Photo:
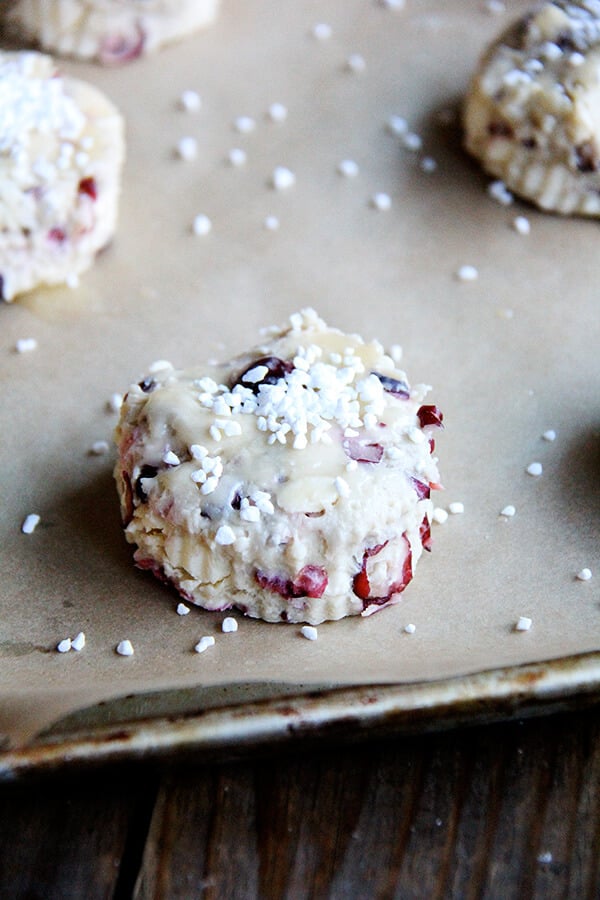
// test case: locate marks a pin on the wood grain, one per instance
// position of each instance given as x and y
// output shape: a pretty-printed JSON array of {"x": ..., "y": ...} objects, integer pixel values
[{"x": 501, "y": 812}]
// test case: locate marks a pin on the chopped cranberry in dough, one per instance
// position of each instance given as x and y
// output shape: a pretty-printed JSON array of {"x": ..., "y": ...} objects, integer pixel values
[
  {"x": 299, "y": 492},
  {"x": 61, "y": 154}
]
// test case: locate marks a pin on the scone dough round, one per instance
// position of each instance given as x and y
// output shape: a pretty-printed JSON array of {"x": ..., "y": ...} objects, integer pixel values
[
  {"x": 109, "y": 31},
  {"x": 61, "y": 152},
  {"x": 532, "y": 112},
  {"x": 292, "y": 482}
]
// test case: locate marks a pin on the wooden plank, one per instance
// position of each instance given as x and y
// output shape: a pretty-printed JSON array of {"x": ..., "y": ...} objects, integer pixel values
[{"x": 67, "y": 838}]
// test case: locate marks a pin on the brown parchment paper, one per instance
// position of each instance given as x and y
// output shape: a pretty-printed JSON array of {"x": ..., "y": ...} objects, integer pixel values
[{"x": 510, "y": 355}]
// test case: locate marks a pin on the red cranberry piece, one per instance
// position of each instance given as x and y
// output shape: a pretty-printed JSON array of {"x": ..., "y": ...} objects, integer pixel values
[
  {"x": 58, "y": 235},
  {"x": 310, "y": 581},
  {"x": 145, "y": 472},
  {"x": 394, "y": 386},
  {"x": 422, "y": 489},
  {"x": 119, "y": 48},
  {"x": 430, "y": 415},
  {"x": 425, "y": 534},
  {"x": 276, "y": 370},
  {"x": 88, "y": 186},
  {"x": 361, "y": 451},
  {"x": 361, "y": 585}
]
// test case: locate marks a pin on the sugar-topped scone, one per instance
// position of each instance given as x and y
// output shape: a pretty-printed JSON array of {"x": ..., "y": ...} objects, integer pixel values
[
  {"x": 292, "y": 482},
  {"x": 532, "y": 113},
  {"x": 61, "y": 153},
  {"x": 109, "y": 31}
]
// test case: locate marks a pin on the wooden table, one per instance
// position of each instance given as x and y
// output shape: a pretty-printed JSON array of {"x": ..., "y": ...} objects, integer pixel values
[{"x": 501, "y": 811}]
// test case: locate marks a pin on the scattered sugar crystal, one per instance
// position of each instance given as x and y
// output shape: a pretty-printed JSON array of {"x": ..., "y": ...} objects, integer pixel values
[
  {"x": 64, "y": 646},
  {"x": 584, "y": 575},
  {"x": 410, "y": 628},
  {"x": 412, "y": 141},
  {"x": 396, "y": 353},
  {"x": 322, "y": 31},
  {"x": 498, "y": 191},
  {"x": 282, "y": 178},
  {"x": 576, "y": 59},
  {"x": 397, "y": 125},
  {"x": 456, "y": 508},
  {"x": 225, "y": 536},
  {"x": 524, "y": 623},
  {"x": 545, "y": 857},
  {"x": 124, "y": 648},
  {"x": 309, "y": 632},
  {"x": 201, "y": 225},
  {"x": 204, "y": 643},
  {"x": 341, "y": 486},
  {"x": 494, "y": 7},
  {"x": 158, "y": 365},
  {"x": 439, "y": 515},
  {"x": 271, "y": 223},
  {"x": 356, "y": 63},
  {"x": 348, "y": 168},
  {"x": 30, "y": 523},
  {"x": 26, "y": 345},
  {"x": 393, "y": 4},
  {"x": 250, "y": 513},
  {"x": 182, "y": 609},
  {"x": 78, "y": 642},
  {"x": 549, "y": 435},
  {"x": 535, "y": 469},
  {"x": 508, "y": 511},
  {"x": 244, "y": 124},
  {"x": 170, "y": 458},
  {"x": 72, "y": 280},
  {"x": 114, "y": 403},
  {"x": 381, "y": 201},
  {"x": 237, "y": 157},
  {"x": 277, "y": 112},
  {"x": 187, "y": 148},
  {"x": 467, "y": 273},
  {"x": 428, "y": 164},
  {"x": 198, "y": 451},
  {"x": 190, "y": 100},
  {"x": 521, "y": 225},
  {"x": 229, "y": 625},
  {"x": 99, "y": 448}
]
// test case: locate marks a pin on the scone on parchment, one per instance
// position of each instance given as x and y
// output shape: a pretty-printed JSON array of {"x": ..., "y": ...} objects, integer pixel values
[
  {"x": 109, "y": 31},
  {"x": 61, "y": 152},
  {"x": 292, "y": 482},
  {"x": 532, "y": 112}
]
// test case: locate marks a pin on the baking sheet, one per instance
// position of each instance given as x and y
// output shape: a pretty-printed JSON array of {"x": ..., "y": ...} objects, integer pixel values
[{"x": 510, "y": 355}]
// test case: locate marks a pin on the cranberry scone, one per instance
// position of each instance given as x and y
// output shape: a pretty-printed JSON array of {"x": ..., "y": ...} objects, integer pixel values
[
  {"x": 61, "y": 152},
  {"x": 292, "y": 482},
  {"x": 532, "y": 112},
  {"x": 109, "y": 31}
]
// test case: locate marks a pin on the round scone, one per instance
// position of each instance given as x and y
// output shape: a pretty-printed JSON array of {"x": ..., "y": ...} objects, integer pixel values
[
  {"x": 532, "y": 112},
  {"x": 61, "y": 153},
  {"x": 292, "y": 483},
  {"x": 109, "y": 31}
]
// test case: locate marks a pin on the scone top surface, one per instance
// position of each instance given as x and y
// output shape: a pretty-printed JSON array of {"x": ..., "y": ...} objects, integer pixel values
[
  {"x": 292, "y": 482},
  {"x": 532, "y": 113},
  {"x": 61, "y": 152}
]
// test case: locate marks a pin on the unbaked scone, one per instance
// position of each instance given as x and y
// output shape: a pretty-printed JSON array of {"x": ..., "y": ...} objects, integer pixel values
[
  {"x": 292, "y": 482},
  {"x": 532, "y": 112},
  {"x": 61, "y": 153},
  {"x": 109, "y": 31}
]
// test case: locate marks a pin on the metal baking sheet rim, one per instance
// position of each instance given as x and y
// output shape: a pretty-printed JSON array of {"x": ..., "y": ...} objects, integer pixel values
[{"x": 349, "y": 713}]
